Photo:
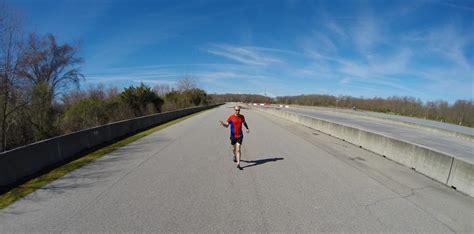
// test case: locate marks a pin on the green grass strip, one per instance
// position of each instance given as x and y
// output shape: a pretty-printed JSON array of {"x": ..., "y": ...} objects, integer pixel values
[{"x": 34, "y": 184}]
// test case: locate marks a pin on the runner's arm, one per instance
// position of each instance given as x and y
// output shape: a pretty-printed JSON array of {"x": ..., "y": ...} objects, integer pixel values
[{"x": 224, "y": 124}]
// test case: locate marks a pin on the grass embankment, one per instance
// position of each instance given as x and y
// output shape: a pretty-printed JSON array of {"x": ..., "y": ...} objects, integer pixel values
[{"x": 34, "y": 184}]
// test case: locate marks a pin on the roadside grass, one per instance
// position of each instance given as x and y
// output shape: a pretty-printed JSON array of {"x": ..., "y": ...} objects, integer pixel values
[{"x": 37, "y": 183}]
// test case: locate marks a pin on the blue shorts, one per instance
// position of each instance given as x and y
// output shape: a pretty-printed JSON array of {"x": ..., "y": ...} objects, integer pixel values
[{"x": 234, "y": 140}]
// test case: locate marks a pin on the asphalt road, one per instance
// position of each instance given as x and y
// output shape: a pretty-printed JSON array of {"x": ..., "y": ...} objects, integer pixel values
[
  {"x": 398, "y": 118},
  {"x": 182, "y": 179},
  {"x": 457, "y": 147}
]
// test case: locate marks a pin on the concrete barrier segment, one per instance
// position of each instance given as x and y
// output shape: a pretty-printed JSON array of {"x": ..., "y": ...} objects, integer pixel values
[{"x": 462, "y": 177}]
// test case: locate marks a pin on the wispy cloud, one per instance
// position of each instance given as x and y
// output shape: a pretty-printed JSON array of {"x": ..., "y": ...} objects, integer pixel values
[
  {"x": 213, "y": 76},
  {"x": 345, "y": 80},
  {"x": 365, "y": 34},
  {"x": 336, "y": 29},
  {"x": 450, "y": 43},
  {"x": 133, "y": 75},
  {"x": 246, "y": 55},
  {"x": 155, "y": 82},
  {"x": 456, "y": 6}
]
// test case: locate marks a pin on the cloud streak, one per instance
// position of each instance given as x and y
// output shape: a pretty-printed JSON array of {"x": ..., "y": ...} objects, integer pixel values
[{"x": 247, "y": 55}]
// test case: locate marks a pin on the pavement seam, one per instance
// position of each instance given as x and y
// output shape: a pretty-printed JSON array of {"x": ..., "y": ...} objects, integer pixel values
[
  {"x": 425, "y": 211},
  {"x": 406, "y": 196}
]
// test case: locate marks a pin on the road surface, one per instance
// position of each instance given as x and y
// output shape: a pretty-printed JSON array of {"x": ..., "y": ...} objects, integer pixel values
[{"x": 295, "y": 179}]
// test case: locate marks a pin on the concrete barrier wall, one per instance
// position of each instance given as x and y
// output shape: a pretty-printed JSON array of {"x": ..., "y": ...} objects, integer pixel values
[
  {"x": 21, "y": 163},
  {"x": 410, "y": 124},
  {"x": 439, "y": 166}
]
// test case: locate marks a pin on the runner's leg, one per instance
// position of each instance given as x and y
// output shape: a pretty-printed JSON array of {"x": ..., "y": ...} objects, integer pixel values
[
  {"x": 237, "y": 152},
  {"x": 232, "y": 148},
  {"x": 234, "y": 152}
]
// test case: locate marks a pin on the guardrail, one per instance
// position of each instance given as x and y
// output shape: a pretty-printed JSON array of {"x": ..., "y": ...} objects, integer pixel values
[
  {"x": 23, "y": 163},
  {"x": 439, "y": 166}
]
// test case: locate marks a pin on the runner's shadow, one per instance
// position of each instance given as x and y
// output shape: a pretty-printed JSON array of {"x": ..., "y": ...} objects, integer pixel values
[{"x": 260, "y": 161}]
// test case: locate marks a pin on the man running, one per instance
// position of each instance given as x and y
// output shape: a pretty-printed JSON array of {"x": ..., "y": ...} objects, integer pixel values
[{"x": 236, "y": 136}]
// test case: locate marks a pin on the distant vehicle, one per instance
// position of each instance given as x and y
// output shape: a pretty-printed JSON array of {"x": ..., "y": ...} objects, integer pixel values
[{"x": 262, "y": 104}]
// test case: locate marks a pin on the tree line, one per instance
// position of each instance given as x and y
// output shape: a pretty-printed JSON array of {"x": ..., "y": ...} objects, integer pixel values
[
  {"x": 460, "y": 113},
  {"x": 246, "y": 98},
  {"x": 40, "y": 95},
  {"x": 98, "y": 105}
]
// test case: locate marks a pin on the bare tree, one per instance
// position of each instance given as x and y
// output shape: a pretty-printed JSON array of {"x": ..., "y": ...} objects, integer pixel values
[
  {"x": 47, "y": 62},
  {"x": 162, "y": 89},
  {"x": 11, "y": 95},
  {"x": 187, "y": 82},
  {"x": 50, "y": 69}
]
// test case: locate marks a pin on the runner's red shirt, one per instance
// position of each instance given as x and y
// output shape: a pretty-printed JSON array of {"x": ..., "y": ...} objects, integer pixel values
[{"x": 235, "y": 122}]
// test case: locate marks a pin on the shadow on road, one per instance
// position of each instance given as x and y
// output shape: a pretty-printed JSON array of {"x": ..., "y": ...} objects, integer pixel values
[{"x": 260, "y": 161}]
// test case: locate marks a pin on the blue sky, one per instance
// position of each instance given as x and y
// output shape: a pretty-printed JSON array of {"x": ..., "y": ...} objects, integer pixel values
[{"x": 422, "y": 49}]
